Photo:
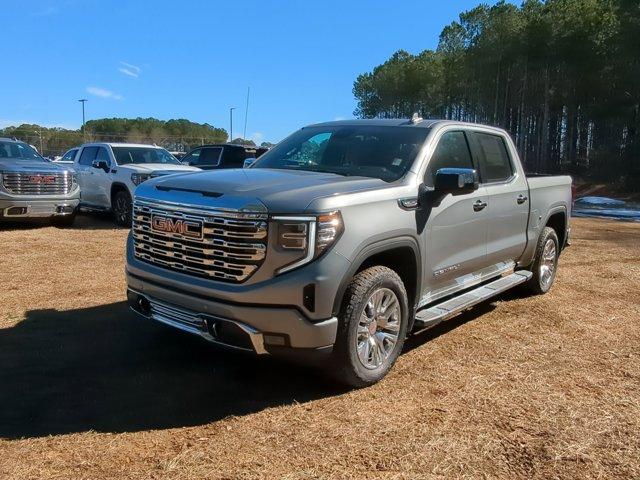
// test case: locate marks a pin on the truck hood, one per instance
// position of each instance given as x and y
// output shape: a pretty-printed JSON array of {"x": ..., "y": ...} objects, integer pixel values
[
  {"x": 158, "y": 167},
  {"x": 26, "y": 166},
  {"x": 280, "y": 191}
]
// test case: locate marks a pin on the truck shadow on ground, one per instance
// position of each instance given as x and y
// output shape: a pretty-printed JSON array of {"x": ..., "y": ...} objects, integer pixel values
[
  {"x": 105, "y": 369},
  {"x": 84, "y": 221}
]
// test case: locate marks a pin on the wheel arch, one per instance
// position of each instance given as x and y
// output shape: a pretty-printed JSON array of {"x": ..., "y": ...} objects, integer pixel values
[
  {"x": 115, "y": 188},
  {"x": 557, "y": 220},
  {"x": 402, "y": 255}
]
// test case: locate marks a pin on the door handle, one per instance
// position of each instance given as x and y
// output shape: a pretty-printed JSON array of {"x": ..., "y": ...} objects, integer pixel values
[
  {"x": 479, "y": 205},
  {"x": 521, "y": 199}
]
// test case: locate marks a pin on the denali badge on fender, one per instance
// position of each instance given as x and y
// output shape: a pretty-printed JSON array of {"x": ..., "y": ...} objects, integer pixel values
[{"x": 186, "y": 228}]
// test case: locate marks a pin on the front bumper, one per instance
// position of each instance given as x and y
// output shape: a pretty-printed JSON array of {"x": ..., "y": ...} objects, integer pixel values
[
  {"x": 36, "y": 208},
  {"x": 260, "y": 329}
]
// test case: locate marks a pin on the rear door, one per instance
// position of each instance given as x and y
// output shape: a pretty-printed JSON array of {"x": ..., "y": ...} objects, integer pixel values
[
  {"x": 507, "y": 193},
  {"x": 456, "y": 224}
]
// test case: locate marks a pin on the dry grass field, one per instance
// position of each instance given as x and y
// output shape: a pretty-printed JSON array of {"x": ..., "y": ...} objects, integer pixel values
[{"x": 545, "y": 387}]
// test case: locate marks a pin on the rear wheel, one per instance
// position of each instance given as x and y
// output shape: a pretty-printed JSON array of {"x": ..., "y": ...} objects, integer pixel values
[
  {"x": 545, "y": 265},
  {"x": 372, "y": 327},
  {"x": 122, "y": 208}
]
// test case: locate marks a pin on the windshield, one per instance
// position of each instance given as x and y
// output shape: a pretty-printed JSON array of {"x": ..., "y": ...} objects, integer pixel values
[
  {"x": 360, "y": 150},
  {"x": 18, "y": 151},
  {"x": 126, "y": 155}
]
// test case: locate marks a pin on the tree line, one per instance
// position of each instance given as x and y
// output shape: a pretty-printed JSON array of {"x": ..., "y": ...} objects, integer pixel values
[
  {"x": 562, "y": 76},
  {"x": 175, "y": 135}
]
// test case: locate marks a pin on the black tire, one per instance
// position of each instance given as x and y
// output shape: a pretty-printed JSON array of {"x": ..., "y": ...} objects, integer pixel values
[
  {"x": 122, "y": 207},
  {"x": 541, "y": 282},
  {"x": 65, "y": 222},
  {"x": 347, "y": 366}
]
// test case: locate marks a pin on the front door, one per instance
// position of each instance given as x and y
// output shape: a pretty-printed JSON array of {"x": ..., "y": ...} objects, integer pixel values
[
  {"x": 456, "y": 225},
  {"x": 100, "y": 180},
  {"x": 84, "y": 170}
]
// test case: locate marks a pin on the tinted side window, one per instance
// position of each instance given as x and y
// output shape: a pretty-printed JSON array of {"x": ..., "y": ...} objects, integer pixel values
[
  {"x": 494, "y": 160},
  {"x": 210, "y": 156},
  {"x": 70, "y": 155},
  {"x": 103, "y": 155},
  {"x": 193, "y": 157},
  {"x": 235, "y": 158},
  {"x": 452, "y": 151},
  {"x": 88, "y": 155}
]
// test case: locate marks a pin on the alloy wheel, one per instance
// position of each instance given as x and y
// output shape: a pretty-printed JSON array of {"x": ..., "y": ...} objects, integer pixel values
[{"x": 378, "y": 328}]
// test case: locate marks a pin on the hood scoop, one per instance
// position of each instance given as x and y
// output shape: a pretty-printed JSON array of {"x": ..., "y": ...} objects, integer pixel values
[{"x": 167, "y": 188}]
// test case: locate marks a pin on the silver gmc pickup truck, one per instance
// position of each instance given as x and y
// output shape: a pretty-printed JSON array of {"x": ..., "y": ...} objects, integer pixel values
[
  {"x": 32, "y": 187},
  {"x": 345, "y": 238}
]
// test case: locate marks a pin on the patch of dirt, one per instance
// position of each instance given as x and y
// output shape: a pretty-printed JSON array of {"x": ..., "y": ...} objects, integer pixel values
[{"x": 520, "y": 387}]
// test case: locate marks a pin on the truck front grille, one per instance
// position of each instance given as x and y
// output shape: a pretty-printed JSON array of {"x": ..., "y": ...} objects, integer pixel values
[
  {"x": 223, "y": 245},
  {"x": 38, "y": 183}
]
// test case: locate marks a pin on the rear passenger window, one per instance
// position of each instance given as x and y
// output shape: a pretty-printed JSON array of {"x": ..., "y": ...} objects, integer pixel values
[
  {"x": 88, "y": 156},
  {"x": 210, "y": 156},
  {"x": 495, "y": 164},
  {"x": 452, "y": 152}
]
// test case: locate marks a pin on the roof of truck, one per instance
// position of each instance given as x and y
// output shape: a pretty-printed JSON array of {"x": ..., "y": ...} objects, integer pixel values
[
  {"x": 398, "y": 122},
  {"x": 119, "y": 144}
]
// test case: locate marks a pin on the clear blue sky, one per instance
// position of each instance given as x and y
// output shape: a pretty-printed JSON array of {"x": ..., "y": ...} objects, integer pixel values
[{"x": 195, "y": 59}]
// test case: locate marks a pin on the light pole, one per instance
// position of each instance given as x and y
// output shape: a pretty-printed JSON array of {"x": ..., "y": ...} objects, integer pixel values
[
  {"x": 246, "y": 113},
  {"x": 82, "y": 101},
  {"x": 231, "y": 124}
]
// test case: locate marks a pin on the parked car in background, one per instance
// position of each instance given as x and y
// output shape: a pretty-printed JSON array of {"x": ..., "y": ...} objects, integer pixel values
[
  {"x": 226, "y": 155},
  {"x": 32, "y": 187},
  {"x": 68, "y": 157},
  {"x": 344, "y": 238},
  {"x": 108, "y": 173},
  {"x": 178, "y": 155}
]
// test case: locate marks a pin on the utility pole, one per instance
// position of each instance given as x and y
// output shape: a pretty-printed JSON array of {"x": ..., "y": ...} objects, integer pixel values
[
  {"x": 246, "y": 112},
  {"x": 231, "y": 124},
  {"x": 82, "y": 101}
]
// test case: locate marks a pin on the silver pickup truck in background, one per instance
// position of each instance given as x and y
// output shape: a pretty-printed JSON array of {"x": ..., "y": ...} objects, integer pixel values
[
  {"x": 32, "y": 187},
  {"x": 344, "y": 238}
]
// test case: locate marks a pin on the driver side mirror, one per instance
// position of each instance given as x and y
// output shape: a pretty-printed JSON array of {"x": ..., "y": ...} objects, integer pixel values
[
  {"x": 248, "y": 162},
  {"x": 102, "y": 164},
  {"x": 456, "y": 180}
]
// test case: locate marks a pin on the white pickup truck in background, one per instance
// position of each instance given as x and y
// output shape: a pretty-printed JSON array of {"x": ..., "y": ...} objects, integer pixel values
[{"x": 108, "y": 173}]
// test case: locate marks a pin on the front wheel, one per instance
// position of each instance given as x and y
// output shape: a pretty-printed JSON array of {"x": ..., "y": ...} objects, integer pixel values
[
  {"x": 372, "y": 327},
  {"x": 122, "y": 208}
]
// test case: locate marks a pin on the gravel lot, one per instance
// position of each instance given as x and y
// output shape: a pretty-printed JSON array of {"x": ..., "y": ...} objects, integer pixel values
[{"x": 521, "y": 387}]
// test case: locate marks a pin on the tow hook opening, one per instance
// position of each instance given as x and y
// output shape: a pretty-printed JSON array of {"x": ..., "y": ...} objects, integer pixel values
[
  {"x": 64, "y": 210},
  {"x": 139, "y": 303},
  {"x": 16, "y": 211}
]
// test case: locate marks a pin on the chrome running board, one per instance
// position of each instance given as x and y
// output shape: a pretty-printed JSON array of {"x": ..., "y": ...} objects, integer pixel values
[{"x": 435, "y": 314}]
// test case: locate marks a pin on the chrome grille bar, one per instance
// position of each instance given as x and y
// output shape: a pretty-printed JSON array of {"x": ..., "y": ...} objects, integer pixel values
[
  {"x": 38, "y": 183},
  {"x": 228, "y": 246}
]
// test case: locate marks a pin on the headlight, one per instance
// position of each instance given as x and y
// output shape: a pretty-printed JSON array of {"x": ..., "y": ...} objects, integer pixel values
[
  {"x": 309, "y": 237},
  {"x": 138, "y": 178}
]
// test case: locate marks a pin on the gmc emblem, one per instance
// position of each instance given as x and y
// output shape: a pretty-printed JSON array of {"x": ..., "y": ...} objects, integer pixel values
[
  {"x": 42, "y": 179},
  {"x": 186, "y": 228}
]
